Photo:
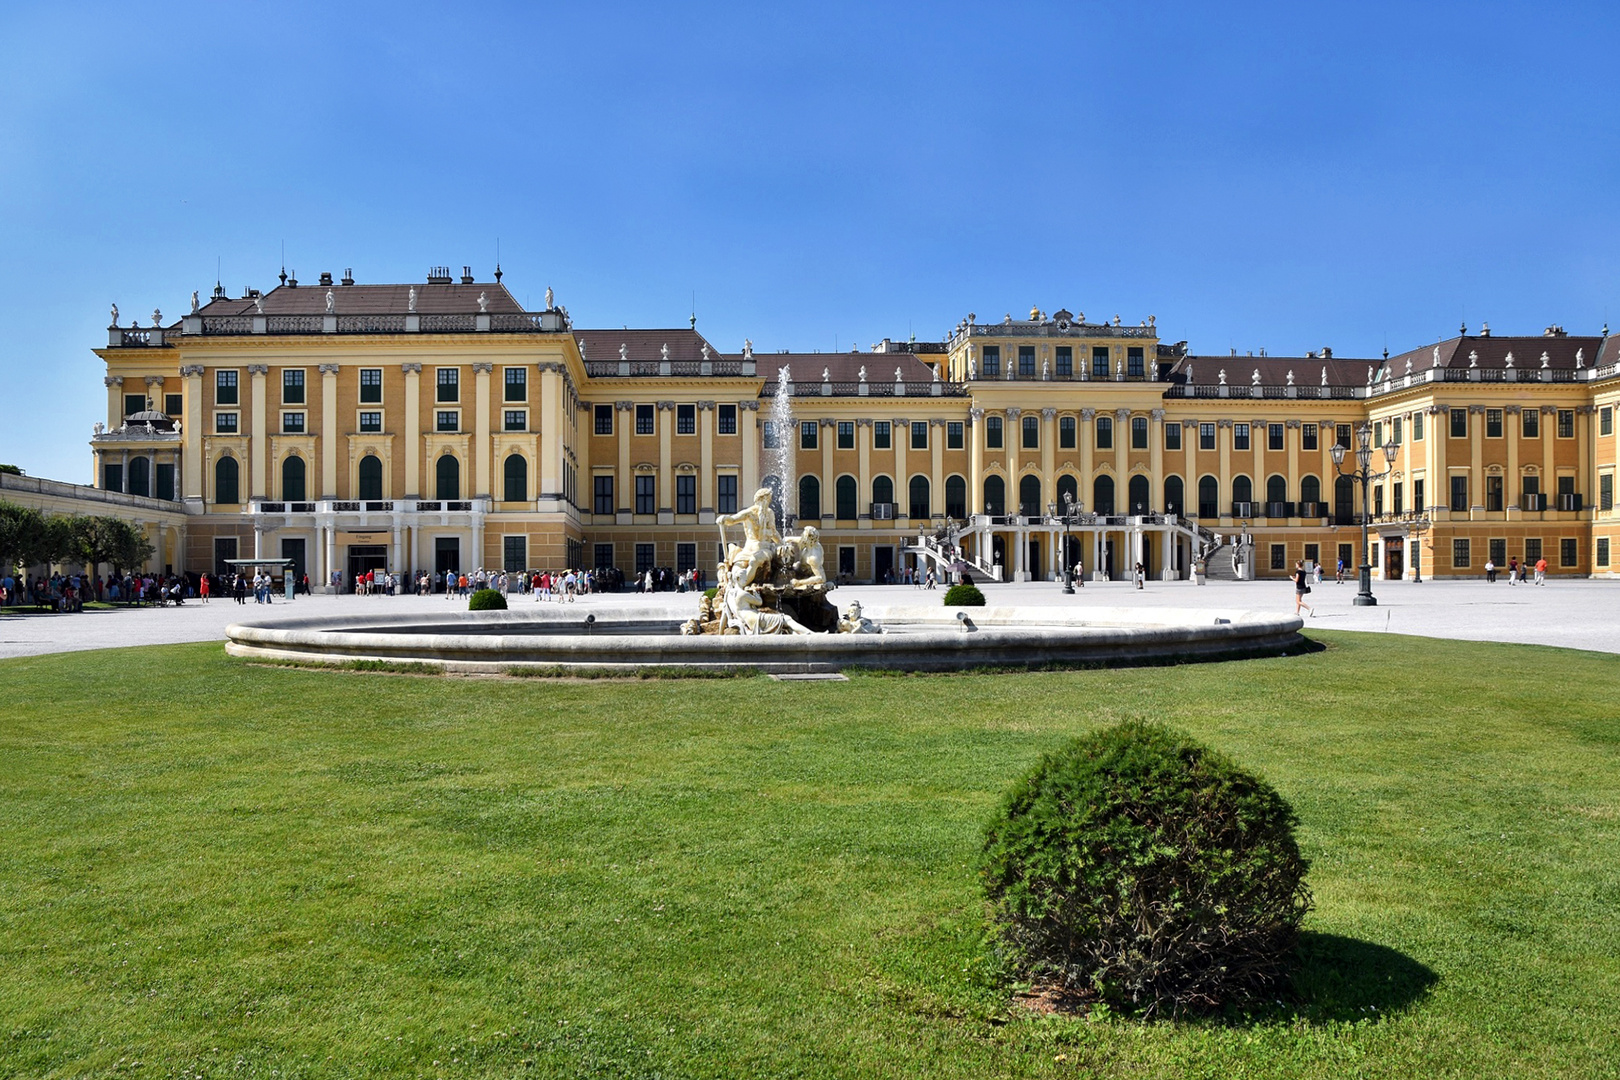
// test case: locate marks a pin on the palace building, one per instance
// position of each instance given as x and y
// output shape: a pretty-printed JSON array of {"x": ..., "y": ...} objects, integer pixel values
[{"x": 440, "y": 426}]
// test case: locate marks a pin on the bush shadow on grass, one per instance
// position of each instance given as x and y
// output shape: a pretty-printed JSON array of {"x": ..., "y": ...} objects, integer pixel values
[{"x": 1338, "y": 979}]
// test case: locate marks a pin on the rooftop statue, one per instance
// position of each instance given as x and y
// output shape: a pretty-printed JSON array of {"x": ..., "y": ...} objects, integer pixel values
[
  {"x": 551, "y": 301},
  {"x": 194, "y": 303},
  {"x": 258, "y": 305},
  {"x": 331, "y": 301},
  {"x": 483, "y": 303},
  {"x": 157, "y": 317},
  {"x": 411, "y": 300},
  {"x": 115, "y": 314}
]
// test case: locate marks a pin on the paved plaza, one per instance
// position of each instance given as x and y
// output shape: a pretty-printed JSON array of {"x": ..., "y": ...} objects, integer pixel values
[{"x": 1570, "y": 614}]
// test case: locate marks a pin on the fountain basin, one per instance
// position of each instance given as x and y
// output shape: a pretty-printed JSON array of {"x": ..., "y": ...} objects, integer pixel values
[{"x": 627, "y": 641}]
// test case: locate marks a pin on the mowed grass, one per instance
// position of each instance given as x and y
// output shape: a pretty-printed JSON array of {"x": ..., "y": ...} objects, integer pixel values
[{"x": 217, "y": 869}]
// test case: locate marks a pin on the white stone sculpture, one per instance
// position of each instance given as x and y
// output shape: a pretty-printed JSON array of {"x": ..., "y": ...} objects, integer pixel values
[
  {"x": 863, "y": 373},
  {"x": 624, "y": 351},
  {"x": 1223, "y": 376},
  {"x": 100, "y": 427},
  {"x": 1473, "y": 359},
  {"x": 1509, "y": 363},
  {"x": 1580, "y": 359},
  {"x": 331, "y": 301},
  {"x": 973, "y": 370},
  {"x": 853, "y": 622},
  {"x": 483, "y": 303},
  {"x": 1324, "y": 374},
  {"x": 115, "y": 314},
  {"x": 1544, "y": 362},
  {"x": 663, "y": 352},
  {"x": 705, "y": 351},
  {"x": 1290, "y": 376},
  {"x": 897, "y": 376},
  {"x": 805, "y": 555},
  {"x": 1046, "y": 370},
  {"x": 748, "y": 349},
  {"x": 1256, "y": 379},
  {"x": 826, "y": 374},
  {"x": 195, "y": 304},
  {"x": 258, "y": 305},
  {"x": 1189, "y": 371},
  {"x": 1435, "y": 362},
  {"x": 760, "y": 538},
  {"x": 551, "y": 299},
  {"x": 1408, "y": 365},
  {"x": 411, "y": 301},
  {"x": 1369, "y": 374},
  {"x": 157, "y": 317}
]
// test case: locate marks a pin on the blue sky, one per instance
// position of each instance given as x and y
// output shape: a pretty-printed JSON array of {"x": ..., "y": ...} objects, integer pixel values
[{"x": 1256, "y": 176}]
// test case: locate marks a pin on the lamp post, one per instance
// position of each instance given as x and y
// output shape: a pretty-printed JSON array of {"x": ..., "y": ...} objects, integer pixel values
[
  {"x": 1064, "y": 520},
  {"x": 1363, "y": 473},
  {"x": 1420, "y": 524}
]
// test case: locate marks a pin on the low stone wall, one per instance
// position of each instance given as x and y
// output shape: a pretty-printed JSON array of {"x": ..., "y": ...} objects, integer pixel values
[{"x": 931, "y": 639}]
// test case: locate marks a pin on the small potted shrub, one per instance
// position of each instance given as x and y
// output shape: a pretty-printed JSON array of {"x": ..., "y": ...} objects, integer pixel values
[
  {"x": 486, "y": 600},
  {"x": 964, "y": 596},
  {"x": 1136, "y": 868}
]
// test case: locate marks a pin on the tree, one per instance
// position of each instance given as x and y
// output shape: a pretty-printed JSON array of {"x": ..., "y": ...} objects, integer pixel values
[
  {"x": 28, "y": 537},
  {"x": 95, "y": 540},
  {"x": 12, "y": 469}
]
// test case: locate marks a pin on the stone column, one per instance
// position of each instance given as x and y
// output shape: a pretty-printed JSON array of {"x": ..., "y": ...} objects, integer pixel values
[
  {"x": 1291, "y": 447},
  {"x": 1476, "y": 468},
  {"x": 115, "y": 400},
  {"x": 1189, "y": 482},
  {"x": 1512, "y": 483},
  {"x": 329, "y": 431},
  {"x": 396, "y": 550},
  {"x": 1049, "y": 457},
  {"x": 750, "y": 450},
  {"x": 1156, "y": 459},
  {"x": 666, "y": 459},
  {"x": 1011, "y": 436},
  {"x": 625, "y": 412},
  {"x": 975, "y": 437},
  {"x": 413, "y": 430},
  {"x": 707, "y": 418},
  {"x": 1224, "y": 476},
  {"x": 259, "y": 480},
  {"x": 1122, "y": 461},
  {"x": 1549, "y": 469},
  {"x": 829, "y": 485},
  {"x": 936, "y": 467},
  {"x": 1086, "y": 436},
  {"x": 1258, "y": 437},
  {"x": 483, "y": 446},
  {"x": 192, "y": 488},
  {"x": 478, "y": 541},
  {"x": 902, "y": 479}
]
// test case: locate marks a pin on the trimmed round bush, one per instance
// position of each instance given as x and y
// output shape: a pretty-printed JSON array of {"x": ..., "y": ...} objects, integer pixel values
[
  {"x": 708, "y": 593},
  {"x": 486, "y": 600},
  {"x": 1141, "y": 869},
  {"x": 964, "y": 596}
]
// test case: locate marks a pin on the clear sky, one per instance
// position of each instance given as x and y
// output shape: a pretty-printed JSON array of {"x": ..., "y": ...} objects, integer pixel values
[{"x": 1279, "y": 176}]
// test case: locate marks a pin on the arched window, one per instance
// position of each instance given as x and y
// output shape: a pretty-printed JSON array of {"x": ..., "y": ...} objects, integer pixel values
[
  {"x": 1139, "y": 492},
  {"x": 1067, "y": 486},
  {"x": 845, "y": 492},
  {"x": 995, "y": 496},
  {"x": 1242, "y": 490},
  {"x": 1102, "y": 495},
  {"x": 1310, "y": 490},
  {"x": 809, "y": 499},
  {"x": 1029, "y": 496},
  {"x": 1209, "y": 497},
  {"x": 292, "y": 479},
  {"x": 371, "y": 486},
  {"x": 447, "y": 476},
  {"x": 919, "y": 497},
  {"x": 226, "y": 476},
  {"x": 140, "y": 476},
  {"x": 1276, "y": 489},
  {"x": 882, "y": 489},
  {"x": 1173, "y": 496},
  {"x": 955, "y": 497},
  {"x": 517, "y": 478}
]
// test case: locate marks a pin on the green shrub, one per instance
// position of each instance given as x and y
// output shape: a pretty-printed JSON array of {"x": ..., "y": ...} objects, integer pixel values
[
  {"x": 486, "y": 600},
  {"x": 964, "y": 596},
  {"x": 710, "y": 591},
  {"x": 1138, "y": 868}
]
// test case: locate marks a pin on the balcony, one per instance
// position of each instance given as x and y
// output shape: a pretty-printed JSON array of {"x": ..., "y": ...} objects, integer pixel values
[{"x": 369, "y": 506}]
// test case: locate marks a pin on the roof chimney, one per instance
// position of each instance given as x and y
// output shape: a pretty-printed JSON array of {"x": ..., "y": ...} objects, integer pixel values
[
  {"x": 292, "y": 280},
  {"x": 348, "y": 275},
  {"x": 439, "y": 275},
  {"x": 466, "y": 275},
  {"x": 326, "y": 277}
]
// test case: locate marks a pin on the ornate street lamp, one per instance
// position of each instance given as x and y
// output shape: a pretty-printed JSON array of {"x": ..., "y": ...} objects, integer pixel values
[
  {"x": 1065, "y": 520},
  {"x": 1419, "y": 525},
  {"x": 1363, "y": 473}
]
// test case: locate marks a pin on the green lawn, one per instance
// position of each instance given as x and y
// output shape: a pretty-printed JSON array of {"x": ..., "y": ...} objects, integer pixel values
[{"x": 213, "y": 868}]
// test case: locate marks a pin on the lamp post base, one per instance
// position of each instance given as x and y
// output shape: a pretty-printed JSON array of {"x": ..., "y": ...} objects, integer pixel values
[{"x": 1365, "y": 598}]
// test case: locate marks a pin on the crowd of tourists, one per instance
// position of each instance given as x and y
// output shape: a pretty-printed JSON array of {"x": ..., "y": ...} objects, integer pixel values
[
  {"x": 540, "y": 584},
  {"x": 70, "y": 592}
]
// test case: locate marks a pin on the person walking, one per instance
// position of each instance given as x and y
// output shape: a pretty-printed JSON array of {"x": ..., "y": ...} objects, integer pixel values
[
  {"x": 1541, "y": 571},
  {"x": 1490, "y": 571},
  {"x": 204, "y": 588},
  {"x": 1301, "y": 587},
  {"x": 1513, "y": 570}
]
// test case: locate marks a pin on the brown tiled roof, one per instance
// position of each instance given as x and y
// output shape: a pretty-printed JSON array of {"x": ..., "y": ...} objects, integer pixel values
[
  {"x": 1206, "y": 370},
  {"x": 645, "y": 345},
  {"x": 1492, "y": 352},
  {"x": 373, "y": 300},
  {"x": 844, "y": 367},
  {"x": 1610, "y": 352}
]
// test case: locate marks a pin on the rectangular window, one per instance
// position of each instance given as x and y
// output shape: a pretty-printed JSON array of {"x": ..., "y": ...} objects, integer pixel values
[
  {"x": 449, "y": 384},
  {"x": 1459, "y": 423},
  {"x": 1347, "y": 556},
  {"x": 1460, "y": 558},
  {"x": 953, "y": 435},
  {"x": 1417, "y": 426},
  {"x": 1568, "y": 553},
  {"x": 1133, "y": 362},
  {"x": 992, "y": 361},
  {"x": 514, "y": 554},
  {"x": 1067, "y": 433},
  {"x": 1497, "y": 551},
  {"x": 134, "y": 403},
  {"x": 1378, "y": 434},
  {"x": 644, "y": 420},
  {"x": 686, "y": 419},
  {"x": 1026, "y": 361},
  {"x": 1417, "y": 496},
  {"x": 112, "y": 477},
  {"x": 1531, "y": 500},
  {"x": 807, "y": 435},
  {"x": 1065, "y": 361},
  {"x": 1493, "y": 423},
  {"x": 174, "y": 404},
  {"x": 1530, "y": 421},
  {"x": 646, "y": 495},
  {"x": 1603, "y": 551},
  {"x": 1566, "y": 423},
  {"x": 1399, "y": 506},
  {"x": 292, "y": 423},
  {"x": 846, "y": 561},
  {"x": 225, "y": 388},
  {"x": 1606, "y": 492},
  {"x": 371, "y": 421},
  {"x": 686, "y": 494},
  {"x": 1395, "y": 431},
  {"x": 725, "y": 493},
  {"x": 846, "y": 434},
  {"x": 1532, "y": 550},
  {"x": 1605, "y": 420},
  {"x": 292, "y": 386},
  {"x": 1313, "y": 553},
  {"x": 1493, "y": 493},
  {"x": 1459, "y": 494},
  {"x": 685, "y": 558},
  {"x": 603, "y": 415},
  {"x": 602, "y": 556},
  {"x": 881, "y": 435},
  {"x": 1378, "y": 501},
  {"x": 1032, "y": 432},
  {"x": 1105, "y": 433},
  {"x": 645, "y": 555},
  {"x": 1206, "y": 436},
  {"x": 919, "y": 434},
  {"x": 992, "y": 433},
  {"x": 1240, "y": 436},
  {"x": 1099, "y": 362},
  {"x": 371, "y": 386},
  {"x": 447, "y": 420},
  {"x": 1279, "y": 556},
  {"x": 514, "y": 420},
  {"x": 726, "y": 419},
  {"x": 1139, "y": 433},
  {"x": 517, "y": 384},
  {"x": 1172, "y": 435},
  {"x": 602, "y": 495},
  {"x": 1341, "y": 435},
  {"x": 1274, "y": 436},
  {"x": 225, "y": 423},
  {"x": 1307, "y": 436}
]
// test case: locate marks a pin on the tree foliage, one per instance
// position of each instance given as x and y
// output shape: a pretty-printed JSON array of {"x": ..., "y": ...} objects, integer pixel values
[{"x": 29, "y": 537}]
